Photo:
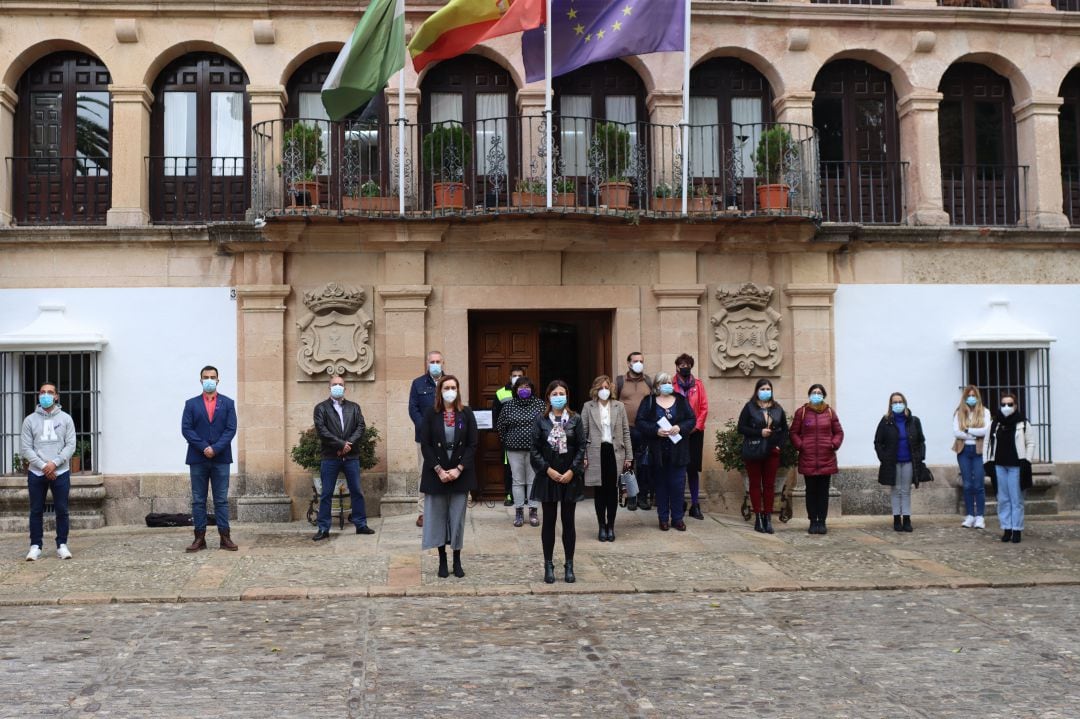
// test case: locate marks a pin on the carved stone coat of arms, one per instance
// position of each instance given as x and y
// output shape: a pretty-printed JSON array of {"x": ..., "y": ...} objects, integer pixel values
[
  {"x": 746, "y": 334},
  {"x": 335, "y": 334}
]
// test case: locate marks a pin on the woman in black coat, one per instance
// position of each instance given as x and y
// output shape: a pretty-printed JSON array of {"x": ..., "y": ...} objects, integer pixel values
[
  {"x": 762, "y": 422},
  {"x": 901, "y": 448},
  {"x": 448, "y": 439},
  {"x": 558, "y": 456},
  {"x": 667, "y": 458}
]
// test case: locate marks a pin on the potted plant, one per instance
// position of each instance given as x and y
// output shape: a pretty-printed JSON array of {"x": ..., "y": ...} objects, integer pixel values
[
  {"x": 306, "y": 140},
  {"x": 614, "y": 143},
  {"x": 444, "y": 152},
  {"x": 80, "y": 461},
  {"x": 728, "y": 452},
  {"x": 307, "y": 454},
  {"x": 369, "y": 198},
  {"x": 565, "y": 193},
  {"x": 529, "y": 192},
  {"x": 776, "y": 150},
  {"x": 667, "y": 198}
]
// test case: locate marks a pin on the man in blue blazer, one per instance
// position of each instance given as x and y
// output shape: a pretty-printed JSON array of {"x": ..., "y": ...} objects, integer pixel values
[{"x": 209, "y": 425}]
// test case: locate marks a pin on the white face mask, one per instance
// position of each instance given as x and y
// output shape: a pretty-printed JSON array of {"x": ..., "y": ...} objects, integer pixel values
[
  {"x": 1006, "y": 411},
  {"x": 604, "y": 394},
  {"x": 449, "y": 395},
  {"x": 637, "y": 367}
]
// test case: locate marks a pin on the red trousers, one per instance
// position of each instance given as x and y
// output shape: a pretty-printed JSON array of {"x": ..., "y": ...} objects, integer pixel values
[{"x": 762, "y": 474}]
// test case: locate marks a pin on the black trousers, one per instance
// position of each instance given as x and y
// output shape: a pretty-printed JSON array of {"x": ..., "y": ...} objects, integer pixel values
[
  {"x": 817, "y": 496},
  {"x": 547, "y": 528},
  {"x": 606, "y": 499}
]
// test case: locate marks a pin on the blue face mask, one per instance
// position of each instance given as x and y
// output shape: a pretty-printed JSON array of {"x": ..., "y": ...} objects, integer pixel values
[
  {"x": 46, "y": 401},
  {"x": 337, "y": 391},
  {"x": 209, "y": 385},
  {"x": 667, "y": 388},
  {"x": 764, "y": 395},
  {"x": 434, "y": 369},
  {"x": 558, "y": 401},
  {"x": 898, "y": 407},
  {"x": 817, "y": 398},
  {"x": 971, "y": 401}
]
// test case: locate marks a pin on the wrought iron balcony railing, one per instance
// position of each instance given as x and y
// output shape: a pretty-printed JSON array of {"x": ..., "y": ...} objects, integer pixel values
[
  {"x": 195, "y": 190},
  {"x": 498, "y": 165},
  {"x": 984, "y": 195},
  {"x": 61, "y": 190},
  {"x": 1070, "y": 193},
  {"x": 865, "y": 193}
]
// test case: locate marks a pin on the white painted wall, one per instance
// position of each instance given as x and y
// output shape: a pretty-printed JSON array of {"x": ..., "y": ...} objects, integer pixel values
[
  {"x": 158, "y": 340},
  {"x": 901, "y": 338}
]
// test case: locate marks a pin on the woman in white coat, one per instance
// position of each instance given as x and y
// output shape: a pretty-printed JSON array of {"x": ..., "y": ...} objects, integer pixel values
[
  {"x": 607, "y": 452},
  {"x": 1012, "y": 449}
]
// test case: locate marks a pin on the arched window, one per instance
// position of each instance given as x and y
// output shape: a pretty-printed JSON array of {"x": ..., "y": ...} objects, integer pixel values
[
  {"x": 859, "y": 140},
  {"x": 63, "y": 138},
  {"x": 977, "y": 140},
  {"x": 610, "y": 92},
  {"x": 477, "y": 94},
  {"x": 200, "y": 141},
  {"x": 349, "y": 153},
  {"x": 729, "y": 103},
  {"x": 1069, "y": 134}
]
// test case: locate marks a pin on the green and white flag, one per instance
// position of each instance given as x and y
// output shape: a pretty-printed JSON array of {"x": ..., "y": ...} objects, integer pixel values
[{"x": 375, "y": 51}]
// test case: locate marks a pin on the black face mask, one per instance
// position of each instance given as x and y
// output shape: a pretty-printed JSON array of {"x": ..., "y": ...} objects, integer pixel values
[{"x": 684, "y": 372}]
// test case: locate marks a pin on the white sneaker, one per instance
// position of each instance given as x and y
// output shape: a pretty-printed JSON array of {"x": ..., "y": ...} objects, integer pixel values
[
  {"x": 62, "y": 552},
  {"x": 34, "y": 554},
  {"x": 980, "y": 523},
  {"x": 969, "y": 522}
]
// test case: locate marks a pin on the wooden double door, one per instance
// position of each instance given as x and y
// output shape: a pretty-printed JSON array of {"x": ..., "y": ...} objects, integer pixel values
[{"x": 568, "y": 345}]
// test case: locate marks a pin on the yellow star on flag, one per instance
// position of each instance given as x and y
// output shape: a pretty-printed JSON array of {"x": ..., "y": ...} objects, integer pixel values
[
  {"x": 579, "y": 29},
  {"x": 599, "y": 34},
  {"x": 617, "y": 25},
  {"x": 588, "y": 37},
  {"x": 627, "y": 10},
  {"x": 572, "y": 14}
]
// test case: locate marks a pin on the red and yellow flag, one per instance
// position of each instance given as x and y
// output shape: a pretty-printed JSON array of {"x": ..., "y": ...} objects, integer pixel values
[{"x": 461, "y": 24}]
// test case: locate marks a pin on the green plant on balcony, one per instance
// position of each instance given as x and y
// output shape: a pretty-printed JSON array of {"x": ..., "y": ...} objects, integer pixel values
[
  {"x": 444, "y": 151},
  {"x": 565, "y": 185},
  {"x": 664, "y": 190},
  {"x": 303, "y": 142},
  {"x": 532, "y": 185},
  {"x": 370, "y": 189},
  {"x": 613, "y": 142},
  {"x": 776, "y": 151}
]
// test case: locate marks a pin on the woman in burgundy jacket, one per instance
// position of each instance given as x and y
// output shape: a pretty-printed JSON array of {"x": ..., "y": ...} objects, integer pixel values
[{"x": 817, "y": 434}]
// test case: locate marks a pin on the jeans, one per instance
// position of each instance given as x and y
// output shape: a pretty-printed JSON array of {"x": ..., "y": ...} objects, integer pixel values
[
  {"x": 901, "y": 491},
  {"x": 669, "y": 483},
  {"x": 521, "y": 469},
  {"x": 60, "y": 488},
  {"x": 971, "y": 471},
  {"x": 1010, "y": 498},
  {"x": 328, "y": 474},
  {"x": 213, "y": 476}
]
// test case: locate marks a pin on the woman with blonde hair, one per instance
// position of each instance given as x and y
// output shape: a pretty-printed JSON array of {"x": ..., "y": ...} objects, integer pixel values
[
  {"x": 607, "y": 451},
  {"x": 971, "y": 422}
]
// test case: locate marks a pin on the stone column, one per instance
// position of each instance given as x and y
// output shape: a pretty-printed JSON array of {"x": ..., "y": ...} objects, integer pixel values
[
  {"x": 8, "y": 102},
  {"x": 795, "y": 107},
  {"x": 267, "y": 106},
  {"x": 918, "y": 113},
  {"x": 678, "y": 306},
  {"x": 130, "y": 148},
  {"x": 1038, "y": 147},
  {"x": 404, "y": 305},
  {"x": 261, "y": 397},
  {"x": 810, "y": 317},
  {"x": 665, "y": 115}
]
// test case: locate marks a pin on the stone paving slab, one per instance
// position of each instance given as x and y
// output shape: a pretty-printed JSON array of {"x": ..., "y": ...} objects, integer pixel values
[{"x": 720, "y": 554}]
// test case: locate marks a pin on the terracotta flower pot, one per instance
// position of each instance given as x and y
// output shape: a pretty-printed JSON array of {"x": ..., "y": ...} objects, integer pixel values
[
  {"x": 616, "y": 195},
  {"x": 564, "y": 199},
  {"x": 310, "y": 188},
  {"x": 773, "y": 197},
  {"x": 528, "y": 199},
  {"x": 449, "y": 195}
]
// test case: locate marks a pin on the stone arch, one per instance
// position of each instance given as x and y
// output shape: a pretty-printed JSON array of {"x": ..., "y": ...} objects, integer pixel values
[
  {"x": 306, "y": 54},
  {"x": 901, "y": 81},
  {"x": 1018, "y": 81},
  {"x": 488, "y": 53},
  {"x": 750, "y": 57},
  {"x": 166, "y": 56},
  {"x": 25, "y": 59}
]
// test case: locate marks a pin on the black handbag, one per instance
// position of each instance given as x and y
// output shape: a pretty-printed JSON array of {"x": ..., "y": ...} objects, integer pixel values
[
  {"x": 755, "y": 448},
  {"x": 922, "y": 474},
  {"x": 1026, "y": 480}
]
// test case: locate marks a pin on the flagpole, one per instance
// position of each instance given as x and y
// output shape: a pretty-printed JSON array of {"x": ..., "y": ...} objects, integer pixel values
[
  {"x": 686, "y": 105},
  {"x": 401, "y": 139},
  {"x": 548, "y": 146}
]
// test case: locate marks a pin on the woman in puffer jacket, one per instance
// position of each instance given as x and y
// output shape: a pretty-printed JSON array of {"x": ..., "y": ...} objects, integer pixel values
[{"x": 817, "y": 434}]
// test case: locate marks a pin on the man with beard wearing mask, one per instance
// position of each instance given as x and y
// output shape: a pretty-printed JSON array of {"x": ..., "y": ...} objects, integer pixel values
[
  {"x": 502, "y": 396},
  {"x": 630, "y": 389},
  {"x": 421, "y": 399},
  {"x": 209, "y": 425}
]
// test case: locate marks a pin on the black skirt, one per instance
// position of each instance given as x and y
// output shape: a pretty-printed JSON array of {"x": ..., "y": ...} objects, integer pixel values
[{"x": 545, "y": 489}]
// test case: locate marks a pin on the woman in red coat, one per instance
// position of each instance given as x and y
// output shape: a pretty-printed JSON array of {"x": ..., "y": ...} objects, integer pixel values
[{"x": 816, "y": 433}]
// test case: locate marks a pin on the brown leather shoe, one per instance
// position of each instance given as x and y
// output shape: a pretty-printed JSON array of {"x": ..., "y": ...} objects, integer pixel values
[
  {"x": 227, "y": 542},
  {"x": 664, "y": 526},
  {"x": 200, "y": 541},
  {"x": 420, "y": 521}
]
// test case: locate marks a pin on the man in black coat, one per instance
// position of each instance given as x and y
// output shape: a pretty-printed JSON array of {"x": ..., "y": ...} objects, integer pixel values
[{"x": 340, "y": 426}]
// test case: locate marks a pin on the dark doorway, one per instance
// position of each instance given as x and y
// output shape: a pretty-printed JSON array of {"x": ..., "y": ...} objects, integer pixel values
[{"x": 572, "y": 346}]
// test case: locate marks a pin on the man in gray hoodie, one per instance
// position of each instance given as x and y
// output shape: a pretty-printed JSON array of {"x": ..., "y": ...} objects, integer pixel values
[{"x": 47, "y": 443}]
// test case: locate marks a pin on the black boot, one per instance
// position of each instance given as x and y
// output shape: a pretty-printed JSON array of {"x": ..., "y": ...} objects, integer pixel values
[
  {"x": 1007, "y": 537},
  {"x": 631, "y": 504},
  {"x": 1016, "y": 536},
  {"x": 813, "y": 526},
  {"x": 821, "y": 526},
  {"x": 897, "y": 527},
  {"x": 695, "y": 511},
  {"x": 611, "y": 532},
  {"x": 907, "y": 523},
  {"x": 643, "y": 502},
  {"x": 766, "y": 523},
  {"x": 458, "y": 571},
  {"x": 549, "y": 572},
  {"x": 443, "y": 571},
  {"x": 568, "y": 574},
  {"x": 758, "y": 523},
  {"x": 602, "y": 532}
]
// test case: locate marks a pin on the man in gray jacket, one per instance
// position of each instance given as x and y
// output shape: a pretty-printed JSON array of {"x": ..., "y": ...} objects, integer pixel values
[{"x": 47, "y": 443}]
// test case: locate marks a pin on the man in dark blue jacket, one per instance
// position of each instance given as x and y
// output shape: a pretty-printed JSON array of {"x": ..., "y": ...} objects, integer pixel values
[
  {"x": 209, "y": 425},
  {"x": 422, "y": 399}
]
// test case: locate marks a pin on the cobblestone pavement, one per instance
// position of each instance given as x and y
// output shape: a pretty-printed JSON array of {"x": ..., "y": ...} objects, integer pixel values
[{"x": 714, "y": 622}]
